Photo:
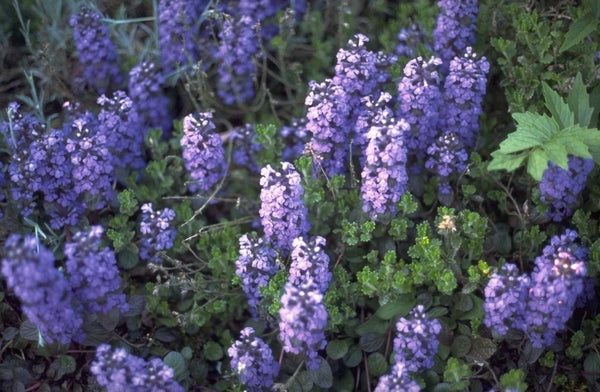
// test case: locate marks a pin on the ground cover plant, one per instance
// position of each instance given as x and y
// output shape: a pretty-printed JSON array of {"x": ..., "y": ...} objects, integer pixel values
[{"x": 363, "y": 195}]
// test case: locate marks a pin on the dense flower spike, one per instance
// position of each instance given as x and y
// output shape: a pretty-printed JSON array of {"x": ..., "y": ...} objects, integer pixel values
[
  {"x": 45, "y": 294},
  {"x": 419, "y": 100},
  {"x": 310, "y": 263},
  {"x": 282, "y": 211},
  {"x": 238, "y": 46},
  {"x": 91, "y": 162},
  {"x": 355, "y": 70},
  {"x": 296, "y": 136},
  {"x": 245, "y": 149},
  {"x": 253, "y": 362},
  {"x": 117, "y": 370},
  {"x": 397, "y": 381},
  {"x": 556, "y": 282},
  {"x": 384, "y": 177},
  {"x": 177, "y": 32},
  {"x": 97, "y": 53},
  {"x": 328, "y": 124},
  {"x": 464, "y": 88},
  {"x": 145, "y": 90},
  {"x": 255, "y": 266},
  {"x": 416, "y": 343},
  {"x": 93, "y": 272},
  {"x": 505, "y": 298},
  {"x": 560, "y": 188},
  {"x": 303, "y": 318},
  {"x": 124, "y": 131},
  {"x": 203, "y": 152},
  {"x": 454, "y": 29},
  {"x": 446, "y": 157},
  {"x": 409, "y": 39},
  {"x": 157, "y": 232}
]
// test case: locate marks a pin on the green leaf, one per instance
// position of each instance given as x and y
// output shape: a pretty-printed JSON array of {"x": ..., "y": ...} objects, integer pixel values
[
  {"x": 322, "y": 376},
  {"x": 128, "y": 257},
  {"x": 537, "y": 164},
  {"x": 353, "y": 357},
  {"x": 377, "y": 364},
  {"x": 579, "y": 102},
  {"x": 176, "y": 362},
  {"x": 579, "y": 29},
  {"x": 371, "y": 341},
  {"x": 481, "y": 349},
  {"x": 213, "y": 351},
  {"x": 558, "y": 108},
  {"x": 460, "y": 346},
  {"x": 506, "y": 162},
  {"x": 401, "y": 307},
  {"x": 336, "y": 349},
  {"x": 557, "y": 153},
  {"x": 29, "y": 331},
  {"x": 592, "y": 366}
]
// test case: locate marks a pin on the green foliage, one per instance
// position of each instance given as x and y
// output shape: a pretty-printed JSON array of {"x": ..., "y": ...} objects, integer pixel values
[
  {"x": 456, "y": 374},
  {"x": 514, "y": 379}
]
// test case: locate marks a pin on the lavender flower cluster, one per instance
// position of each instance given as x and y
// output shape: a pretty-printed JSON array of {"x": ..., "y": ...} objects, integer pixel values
[
  {"x": 397, "y": 381},
  {"x": 146, "y": 82},
  {"x": 310, "y": 263},
  {"x": 454, "y": 29},
  {"x": 252, "y": 360},
  {"x": 157, "y": 233},
  {"x": 177, "y": 32},
  {"x": 118, "y": 370},
  {"x": 542, "y": 304}
]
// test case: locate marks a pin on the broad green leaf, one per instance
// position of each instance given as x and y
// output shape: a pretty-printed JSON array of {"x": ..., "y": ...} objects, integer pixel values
[
  {"x": 175, "y": 361},
  {"x": 540, "y": 125},
  {"x": 558, "y": 108},
  {"x": 371, "y": 342},
  {"x": 213, "y": 351},
  {"x": 336, "y": 349},
  {"x": 400, "y": 307},
  {"x": 591, "y": 137},
  {"x": 579, "y": 102},
  {"x": 595, "y": 104},
  {"x": 481, "y": 349},
  {"x": 537, "y": 164},
  {"x": 461, "y": 345},
  {"x": 579, "y": 29},
  {"x": 520, "y": 140},
  {"x": 322, "y": 376},
  {"x": 557, "y": 153},
  {"x": 507, "y": 162},
  {"x": 377, "y": 364}
]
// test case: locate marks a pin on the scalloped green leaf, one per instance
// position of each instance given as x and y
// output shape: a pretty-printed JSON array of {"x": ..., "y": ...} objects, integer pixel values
[
  {"x": 581, "y": 28},
  {"x": 506, "y": 162},
  {"x": 558, "y": 107},
  {"x": 557, "y": 153},
  {"x": 579, "y": 102}
]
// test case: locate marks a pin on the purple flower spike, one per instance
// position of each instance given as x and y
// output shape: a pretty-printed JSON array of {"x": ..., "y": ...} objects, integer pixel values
[
  {"x": 177, "y": 33},
  {"x": 409, "y": 39},
  {"x": 157, "y": 232},
  {"x": 505, "y": 298},
  {"x": 296, "y": 136},
  {"x": 245, "y": 149},
  {"x": 97, "y": 53},
  {"x": 282, "y": 211},
  {"x": 310, "y": 262},
  {"x": 203, "y": 152},
  {"x": 93, "y": 272},
  {"x": 303, "y": 318},
  {"x": 446, "y": 157},
  {"x": 556, "y": 283},
  {"x": 255, "y": 266},
  {"x": 560, "y": 188},
  {"x": 146, "y": 83},
  {"x": 416, "y": 343},
  {"x": 253, "y": 361},
  {"x": 117, "y": 370},
  {"x": 45, "y": 294},
  {"x": 397, "y": 381},
  {"x": 454, "y": 29}
]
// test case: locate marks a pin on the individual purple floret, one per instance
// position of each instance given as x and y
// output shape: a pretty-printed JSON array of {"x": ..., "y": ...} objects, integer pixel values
[
  {"x": 384, "y": 177},
  {"x": 416, "y": 343},
  {"x": 45, "y": 294},
  {"x": 91, "y": 163},
  {"x": 303, "y": 318},
  {"x": 464, "y": 88},
  {"x": 560, "y": 188},
  {"x": 329, "y": 126},
  {"x": 295, "y": 136},
  {"x": 556, "y": 282},
  {"x": 397, "y": 381},
  {"x": 310, "y": 263},
  {"x": 409, "y": 39},
  {"x": 117, "y": 370},
  {"x": 97, "y": 52},
  {"x": 203, "y": 152},
  {"x": 446, "y": 157},
  {"x": 93, "y": 272},
  {"x": 454, "y": 29},
  {"x": 252, "y": 360},
  {"x": 177, "y": 32},
  {"x": 255, "y": 266},
  {"x": 157, "y": 232},
  {"x": 419, "y": 100},
  {"x": 282, "y": 211},
  {"x": 125, "y": 131},
  {"x": 505, "y": 298},
  {"x": 239, "y": 44},
  {"x": 146, "y": 82},
  {"x": 244, "y": 148}
]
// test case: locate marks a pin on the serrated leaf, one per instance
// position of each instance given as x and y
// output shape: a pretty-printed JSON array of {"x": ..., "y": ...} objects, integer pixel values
[
  {"x": 176, "y": 362},
  {"x": 322, "y": 376},
  {"x": 371, "y": 341},
  {"x": 579, "y": 102},
  {"x": 401, "y": 307},
  {"x": 506, "y": 162},
  {"x": 537, "y": 164},
  {"x": 578, "y": 30},
  {"x": 558, "y": 107},
  {"x": 557, "y": 153},
  {"x": 377, "y": 364},
  {"x": 537, "y": 127},
  {"x": 336, "y": 349},
  {"x": 520, "y": 140}
]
